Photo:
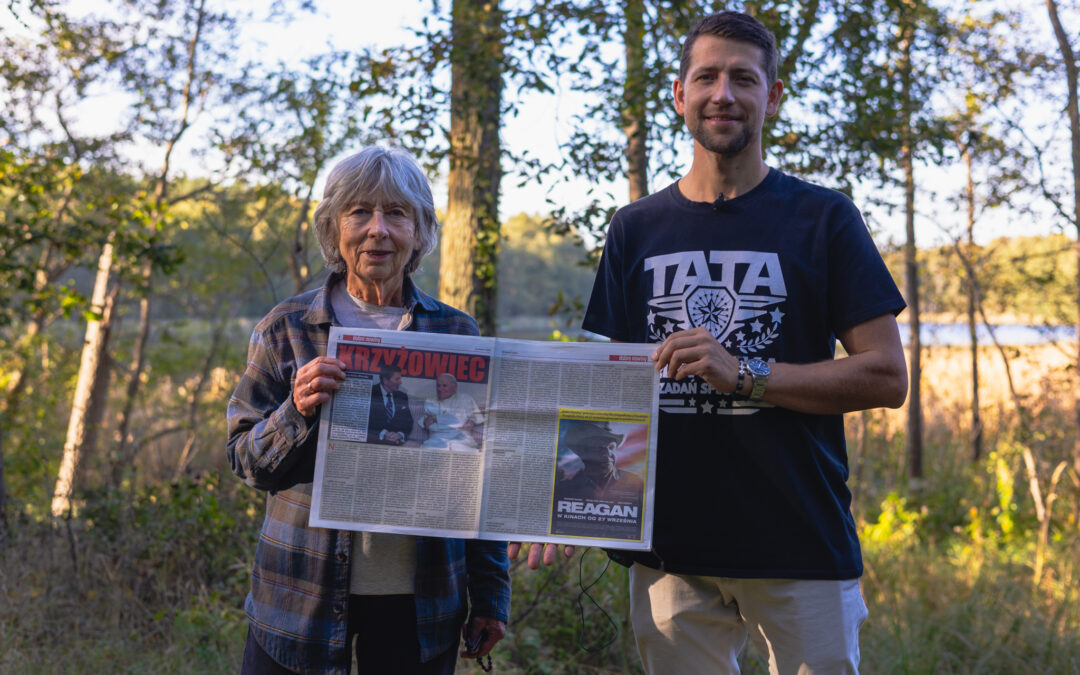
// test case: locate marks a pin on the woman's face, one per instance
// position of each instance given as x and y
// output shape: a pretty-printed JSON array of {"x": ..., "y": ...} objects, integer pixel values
[{"x": 376, "y": 240}]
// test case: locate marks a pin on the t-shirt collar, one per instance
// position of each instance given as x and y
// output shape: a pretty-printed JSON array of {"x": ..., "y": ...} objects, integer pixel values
[{"x": 760, "y": 189}]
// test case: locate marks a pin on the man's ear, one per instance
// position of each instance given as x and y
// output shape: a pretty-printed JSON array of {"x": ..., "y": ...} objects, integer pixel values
[
  {"x": 679, "y": 95},
  {"x": 776, "y": 92}
]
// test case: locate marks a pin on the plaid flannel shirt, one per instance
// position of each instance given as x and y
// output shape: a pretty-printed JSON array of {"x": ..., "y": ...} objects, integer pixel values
[{"x": 300, "y": 580}]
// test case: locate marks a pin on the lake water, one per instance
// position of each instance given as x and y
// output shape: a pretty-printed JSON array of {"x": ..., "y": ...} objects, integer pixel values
[
  {"x": 933, "y": 334},
  {"x": 956, "y": 334}
]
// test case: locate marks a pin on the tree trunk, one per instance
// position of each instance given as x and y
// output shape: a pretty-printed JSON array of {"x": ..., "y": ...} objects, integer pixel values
[
  {"x": 122, "y": 437},
  {"x": 138, "y": 361},
  {"x": 298, "y": 266},
  {"x": 467, "y": 270},
  {"x": 187, "y": 454},
  {"x": 3, "y": 495},
  {"x": 972, "y": 289},
  {"x": 81, "y": 428},
  {"x": 1073, "y": 107},
  {"x": 25, "y": 349},
  {"x": 911, "y": 269},
  {"x": 635, "y": 124}
]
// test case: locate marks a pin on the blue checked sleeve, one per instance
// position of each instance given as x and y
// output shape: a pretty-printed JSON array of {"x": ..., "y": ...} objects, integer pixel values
[
  {"x": 489, "y": 579},
  {"x": 267, "y": 434}
]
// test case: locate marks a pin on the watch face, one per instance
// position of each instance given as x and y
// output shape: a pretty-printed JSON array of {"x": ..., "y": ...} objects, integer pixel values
[{"x": 758, "y": 367}]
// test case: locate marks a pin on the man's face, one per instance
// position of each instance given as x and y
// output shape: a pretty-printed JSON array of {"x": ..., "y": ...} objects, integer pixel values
[
  {"x": 391, "y": 385},
  {"x": 597, "y": 450},
  {"x": 726, "y": 96},
  {"x": 445, "y": 387}
]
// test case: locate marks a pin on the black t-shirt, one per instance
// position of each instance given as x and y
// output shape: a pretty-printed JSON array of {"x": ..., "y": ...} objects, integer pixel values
[{"x": 744, "y": 489}]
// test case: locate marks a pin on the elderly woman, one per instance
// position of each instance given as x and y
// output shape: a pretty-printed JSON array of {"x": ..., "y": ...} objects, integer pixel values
[{"x": 404, "y": 599}]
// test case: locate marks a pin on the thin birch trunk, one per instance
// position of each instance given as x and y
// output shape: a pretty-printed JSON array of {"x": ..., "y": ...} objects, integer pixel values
[
  {"x": 911, "y": 269},
  {"x": 1072, "y": 75},
  {"x": 94, "y": 355}
]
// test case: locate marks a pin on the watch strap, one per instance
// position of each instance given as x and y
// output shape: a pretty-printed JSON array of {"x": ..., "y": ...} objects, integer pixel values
[{"x": 758, "y": 382}]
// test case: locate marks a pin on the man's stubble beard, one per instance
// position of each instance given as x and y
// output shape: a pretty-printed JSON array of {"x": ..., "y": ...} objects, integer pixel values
[{"x": 724, "y": 148}]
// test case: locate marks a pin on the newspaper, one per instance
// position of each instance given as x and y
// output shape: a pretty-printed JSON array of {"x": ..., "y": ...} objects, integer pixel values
[{"x": 489, "y": 438}]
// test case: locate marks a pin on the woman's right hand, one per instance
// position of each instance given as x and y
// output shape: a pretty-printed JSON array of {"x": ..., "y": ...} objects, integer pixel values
[{"x": 315, "y": 382}]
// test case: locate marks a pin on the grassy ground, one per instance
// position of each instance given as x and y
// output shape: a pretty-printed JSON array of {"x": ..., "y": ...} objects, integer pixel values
[
  {"x": 152, "y": 578},
  {"x": 932, "y": 610}
]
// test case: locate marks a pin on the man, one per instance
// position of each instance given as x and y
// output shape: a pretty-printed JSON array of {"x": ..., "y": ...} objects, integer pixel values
[
  {"x": 746, "y": 276},
  {"x": 389, "y": 419},
  {"x": 595, "y": 444},
  {"x": 452, "y": 419}
]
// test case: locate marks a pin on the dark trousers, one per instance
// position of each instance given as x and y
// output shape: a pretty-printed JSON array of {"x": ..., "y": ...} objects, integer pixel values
[{"x": 384, "y": 628}]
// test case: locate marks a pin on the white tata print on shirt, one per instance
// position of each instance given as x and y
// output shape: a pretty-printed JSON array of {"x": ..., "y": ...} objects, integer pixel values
[{"x": 737, "y": 295}]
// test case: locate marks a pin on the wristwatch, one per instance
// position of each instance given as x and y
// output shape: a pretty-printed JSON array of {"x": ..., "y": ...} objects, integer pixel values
[{"x": 759, "y": 373}]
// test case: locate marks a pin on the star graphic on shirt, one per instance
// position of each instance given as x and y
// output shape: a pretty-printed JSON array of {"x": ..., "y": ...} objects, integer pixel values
[
  {"x": 707, "y": 408},
  {"x": 692, "y": 403},
  {"x": 712, "y": 310},
  {"x": 756, "y": 326},
  {"x": 776, "y": 314},
  {"x": 650, "y": 317},
  {"x": 727, "y": 343}
]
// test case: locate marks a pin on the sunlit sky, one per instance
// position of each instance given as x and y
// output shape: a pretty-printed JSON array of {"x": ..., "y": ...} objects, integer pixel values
[{"x": 542, "y": 122}]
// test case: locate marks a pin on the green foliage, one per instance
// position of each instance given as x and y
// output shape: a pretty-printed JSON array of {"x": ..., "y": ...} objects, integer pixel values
[
  {"x": 888, "y": 59},
  {"x": 148, "y": 580},
  {"x": 151, "y": 572},
  {"x": 963, "y": 612},
  {"x": 537, "y": 267},
  {"x": 896, "y": 526},
  {"x": 1025, "y": 278},
  {"x": 193, "y": 532},
  {"x": 555, "y": 628},
  {"x": 948, "y": 576}
]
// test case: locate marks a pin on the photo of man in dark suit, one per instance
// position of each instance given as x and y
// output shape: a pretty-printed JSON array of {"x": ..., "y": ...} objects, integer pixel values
[{"x": 389, "y": 420}]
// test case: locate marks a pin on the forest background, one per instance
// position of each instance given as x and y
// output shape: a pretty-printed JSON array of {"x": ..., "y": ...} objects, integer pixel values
[{"x": 136, "y": 256}]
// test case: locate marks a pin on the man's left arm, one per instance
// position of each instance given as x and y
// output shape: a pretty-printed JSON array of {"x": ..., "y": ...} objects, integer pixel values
[
  {"x": 872, "y": 375},
  {"x": 403, "y": 419},
  {"x": 489, "y": 592}
]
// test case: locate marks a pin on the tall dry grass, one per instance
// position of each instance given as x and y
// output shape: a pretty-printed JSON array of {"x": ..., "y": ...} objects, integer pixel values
[
  {"x": 952, "y": 578},
  {"x": 152, "y": 578}
]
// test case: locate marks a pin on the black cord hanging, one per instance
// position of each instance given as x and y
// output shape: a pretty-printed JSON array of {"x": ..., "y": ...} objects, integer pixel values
[{"x": 581, "y": 606}]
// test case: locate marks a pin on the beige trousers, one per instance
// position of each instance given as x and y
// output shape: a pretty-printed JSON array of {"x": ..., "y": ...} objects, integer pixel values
[{"x": 695, "y": 624}]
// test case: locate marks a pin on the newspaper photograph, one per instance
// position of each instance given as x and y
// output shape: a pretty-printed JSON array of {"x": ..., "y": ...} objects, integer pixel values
[
  {"x": 489, "y": 438},
  {"x": 596, "y": 494}
]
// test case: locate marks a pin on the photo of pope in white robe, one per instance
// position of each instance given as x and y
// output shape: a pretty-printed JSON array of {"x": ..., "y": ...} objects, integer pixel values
[{"x": 453, "y": 420}]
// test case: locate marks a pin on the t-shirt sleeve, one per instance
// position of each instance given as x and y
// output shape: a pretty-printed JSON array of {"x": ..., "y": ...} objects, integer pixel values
[
  {"x": 606, "y": 311},
  {"x": 861, "y": 287}
]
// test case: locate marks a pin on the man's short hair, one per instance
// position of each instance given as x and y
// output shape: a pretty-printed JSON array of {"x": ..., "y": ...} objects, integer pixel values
[
  {"x": 388, "y": 371},
  {"x": 733, "y": 26}
]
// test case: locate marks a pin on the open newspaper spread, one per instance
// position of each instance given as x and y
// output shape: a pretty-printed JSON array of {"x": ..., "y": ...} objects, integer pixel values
[{"x": 489, "y": 438}]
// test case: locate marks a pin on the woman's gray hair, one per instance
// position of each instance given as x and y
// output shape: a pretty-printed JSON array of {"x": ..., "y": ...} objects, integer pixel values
[{"x": 381, "y": 175}]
